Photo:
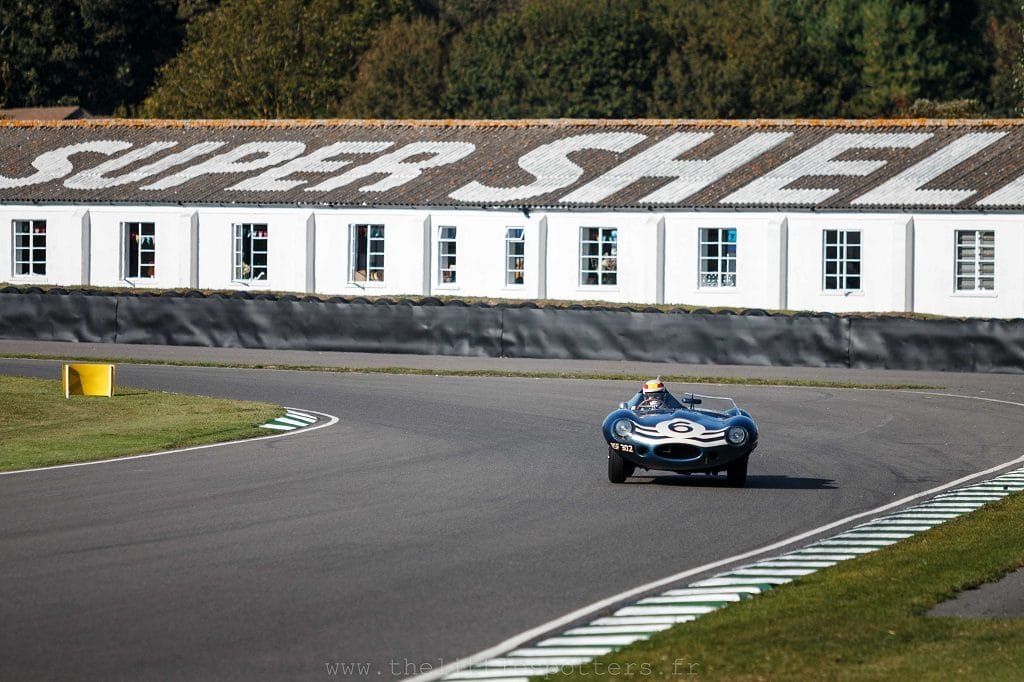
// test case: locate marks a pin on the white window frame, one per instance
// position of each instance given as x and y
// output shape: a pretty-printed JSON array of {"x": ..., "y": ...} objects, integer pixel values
[
  {"x": 139, "y": 249},
  {"x": 515, "y": 256},
  {"x": 34, "y": 231},
  {"x": 447, "y": 255},
  {"x": 369, "y": 268},
  {"x": 243, "y": 272},
  {"x": 717, "y": 270},
  {"x": 606, "y": 271},
  {"x": 978, "y": 275},
  {"x": 847, "y": 267}
]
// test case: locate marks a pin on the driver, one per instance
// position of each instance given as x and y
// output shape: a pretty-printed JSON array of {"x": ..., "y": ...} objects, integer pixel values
[{"x": 654, "y": 396}]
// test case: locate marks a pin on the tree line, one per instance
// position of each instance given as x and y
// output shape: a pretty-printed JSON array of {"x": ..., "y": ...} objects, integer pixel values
[{"x": 515, "y": 58}]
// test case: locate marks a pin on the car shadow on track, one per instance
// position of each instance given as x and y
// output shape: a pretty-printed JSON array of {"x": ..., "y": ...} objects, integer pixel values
[{"x": 753, "y": 481}]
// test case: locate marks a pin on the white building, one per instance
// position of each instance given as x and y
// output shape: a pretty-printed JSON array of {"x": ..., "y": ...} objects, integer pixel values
[{"x": 838, "y": 216}]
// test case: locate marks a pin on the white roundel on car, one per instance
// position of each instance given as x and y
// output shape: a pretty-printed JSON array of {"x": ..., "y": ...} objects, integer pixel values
[
  {"x": 679, "y": 431},
  {"x": 679, "y": 427}
]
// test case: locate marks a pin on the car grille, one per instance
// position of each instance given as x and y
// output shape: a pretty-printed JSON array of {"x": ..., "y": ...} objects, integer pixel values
[{"x": 677, "y": 451}]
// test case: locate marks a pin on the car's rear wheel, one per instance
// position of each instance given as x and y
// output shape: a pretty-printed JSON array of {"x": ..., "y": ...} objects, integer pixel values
[
  {"x": 736, "y": 473},
  {"x": 618, "y": 469}
]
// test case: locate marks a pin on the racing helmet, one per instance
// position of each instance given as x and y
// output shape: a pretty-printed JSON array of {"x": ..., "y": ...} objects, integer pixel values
[
  {"x": 654, "y": 393},
  {"x": 654, "y": 389}
]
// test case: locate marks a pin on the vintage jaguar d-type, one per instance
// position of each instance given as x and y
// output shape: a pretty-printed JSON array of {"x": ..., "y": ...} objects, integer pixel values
[{"x": 654, "y": 430}]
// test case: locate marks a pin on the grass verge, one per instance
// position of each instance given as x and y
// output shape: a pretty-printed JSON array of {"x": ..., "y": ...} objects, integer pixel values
[
  {"x": 39, "y": 427},
  {"x": 863, "y": 619},
  {"x": 594, "y": 376}
]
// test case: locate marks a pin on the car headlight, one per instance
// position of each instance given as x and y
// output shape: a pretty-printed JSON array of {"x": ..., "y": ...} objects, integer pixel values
[
  {"x": 622, "y": 428},
  {"x": 736, "y": 435}
]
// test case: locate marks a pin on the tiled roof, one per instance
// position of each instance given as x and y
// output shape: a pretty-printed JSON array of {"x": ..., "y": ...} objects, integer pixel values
[
  {"x": 714, "y": 165},
  {"x": 44, "y": 114}
]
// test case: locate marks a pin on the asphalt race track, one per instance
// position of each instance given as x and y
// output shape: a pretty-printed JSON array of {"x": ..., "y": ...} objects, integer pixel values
[{"x": 439, "y": 517}]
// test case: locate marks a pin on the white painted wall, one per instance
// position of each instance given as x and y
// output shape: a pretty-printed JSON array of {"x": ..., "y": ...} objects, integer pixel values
[
  {"x": 935, "y": 256},
  {"x": 64, "y": 236},
  {"x": 287, "y": 235},
  {"x": 173, "y": 246},
  {"x": 882, "y": 277},
  {"x": 759, "y": 257},
  {"x": 637, "y": 257},
  {"x": 480, "y": 243},
  {"x": 403, "y": 253},
  {"x": 908, "y": 259}
]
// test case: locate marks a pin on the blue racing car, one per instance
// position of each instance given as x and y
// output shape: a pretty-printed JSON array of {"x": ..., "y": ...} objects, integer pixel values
[{"x": 655, "y": 430}]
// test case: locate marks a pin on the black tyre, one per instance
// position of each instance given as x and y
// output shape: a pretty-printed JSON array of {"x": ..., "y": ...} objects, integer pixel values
[
  {"x": 736, "y": 473},
  {"x": 618, "y": 469}
]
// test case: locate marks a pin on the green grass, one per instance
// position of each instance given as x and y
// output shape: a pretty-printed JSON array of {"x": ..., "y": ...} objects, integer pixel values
[
  {"x": 593, "y": 376},
  {"x": 39, "y": 427},
  {"x": 863, "y": 619}
]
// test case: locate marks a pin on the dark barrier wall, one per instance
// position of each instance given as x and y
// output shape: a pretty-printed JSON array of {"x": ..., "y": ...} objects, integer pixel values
[
  {"x": 519, "y": 331},
  {"x": 310, "y": 325},
  {"x": 675, "y": 337},
  {"x": 954, "y": 345},
  {"x": 42, "y": 316}
]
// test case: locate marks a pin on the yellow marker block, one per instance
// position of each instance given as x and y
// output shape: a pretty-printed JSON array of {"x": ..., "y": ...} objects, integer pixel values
[{"x": 88, "y": 379}]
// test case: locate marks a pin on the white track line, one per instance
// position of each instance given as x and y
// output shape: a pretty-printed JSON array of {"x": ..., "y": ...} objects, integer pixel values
[
  {"x": 462, "y": 666},
  {"x": 331, "y": 421}
]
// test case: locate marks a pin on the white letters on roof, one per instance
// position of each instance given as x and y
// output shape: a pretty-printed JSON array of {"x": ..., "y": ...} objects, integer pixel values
[
  {"x": 236, "y": 161},
  {"x": 397, "y": 167},
  {"x": 565, "y": 165},
  {"x": 320, "y": 161},
  {"x": 57, "y": 164},
  {"x": 97, "y": 178},
  {"x": 550, "y": 166},
  {"x": 660, "y": 162},
  {"x": 772, "y": 188},
  {"x": 905, "y": 188}
]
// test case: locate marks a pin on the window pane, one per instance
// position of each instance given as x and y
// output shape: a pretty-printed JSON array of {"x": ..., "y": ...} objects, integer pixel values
[{"x": 975, "y": 260}]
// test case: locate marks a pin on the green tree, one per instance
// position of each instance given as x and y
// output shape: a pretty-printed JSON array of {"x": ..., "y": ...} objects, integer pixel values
[
  {"x": 270, "y": 58},
  {"x": 900, "y": 56},
  {"x": 772, "y": 58},
  {"x": 1000, "y": 23},
  {"x": 552, "y": 58},
  {"x": 401, "y": 75},
  {"x": 101, "y": 54}
]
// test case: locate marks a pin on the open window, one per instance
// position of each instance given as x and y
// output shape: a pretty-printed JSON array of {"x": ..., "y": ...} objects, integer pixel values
[
  {"x": 366, "y": 260},
  {"x": 139, "y": 250},
  {"x": 250, "y": 253}
]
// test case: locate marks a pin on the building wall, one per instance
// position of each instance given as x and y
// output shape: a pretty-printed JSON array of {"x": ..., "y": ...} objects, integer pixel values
[
  {"x": 759, "y": 261},
  {"x": 907, "y": 260},
  {"x": 935, "y": 255},
  {"x": 883, "y": 263}
]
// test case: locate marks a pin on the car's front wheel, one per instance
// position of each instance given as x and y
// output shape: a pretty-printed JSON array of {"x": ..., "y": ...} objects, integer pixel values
[
  {"x": 618, "y": 469},
  {"x": 736, "y": 473}
]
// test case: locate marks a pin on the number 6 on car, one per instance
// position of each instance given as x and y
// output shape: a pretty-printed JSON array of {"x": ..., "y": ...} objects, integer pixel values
[{"x": 656, "y": 431}]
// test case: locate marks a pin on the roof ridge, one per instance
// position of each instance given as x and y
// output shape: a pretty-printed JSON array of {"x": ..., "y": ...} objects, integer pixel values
[{"x": 512, "y": 123}]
